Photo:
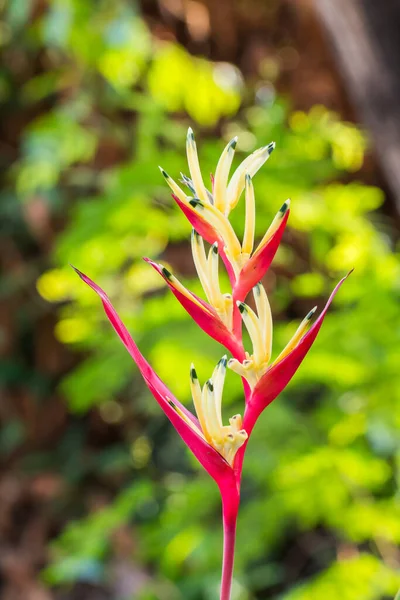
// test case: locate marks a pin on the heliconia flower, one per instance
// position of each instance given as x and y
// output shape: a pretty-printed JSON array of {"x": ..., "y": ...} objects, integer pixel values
[
  {"x": 226, "y": 439},
  {"x": 186, "y": 424},
  {"x": 208, "y": 213},
  {"x": 277, "y": 376},
  {"x": 216, "y": 323},
  {"x": 220, "y": 447},
  {"x": 258, "y": 263},
  {"x": 260, "y": 331}
]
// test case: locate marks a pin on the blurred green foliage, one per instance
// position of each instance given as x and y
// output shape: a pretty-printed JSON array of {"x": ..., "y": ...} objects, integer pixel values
[{"x": 323, "y": 465}]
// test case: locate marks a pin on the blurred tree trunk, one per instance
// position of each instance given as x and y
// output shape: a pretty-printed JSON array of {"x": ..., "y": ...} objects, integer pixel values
[{"x": 365, "y": 35}]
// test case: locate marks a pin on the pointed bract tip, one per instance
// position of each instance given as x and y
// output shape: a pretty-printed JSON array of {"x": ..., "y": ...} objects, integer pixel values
[
  {"x": 283, "y": 209},
  {"x": 77, "y": 271},
  {"x": 271, "y": 147},
  {"x": 248, "y": 178},
  {"x": 215, "y": 247},
  {"x": 193, "y": 374},
  {"x": 210, "y": 385},
  {"x": 257, "y": 289},
  {"x": 241, "y": 306},
  {"x": 311, "y": 313},
  {"x": 349, "y": 273}
]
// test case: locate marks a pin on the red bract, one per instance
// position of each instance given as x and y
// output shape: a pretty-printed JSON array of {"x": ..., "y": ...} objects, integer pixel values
[
  {"x": 207, "y": 231},
  {"x": 255, "y": 269},
  {"x": 220, "y": 448},
  {"x": 279, "y": 374},
  {"x": 210, "y": 459},
  {"x": 202, "y": 313}
]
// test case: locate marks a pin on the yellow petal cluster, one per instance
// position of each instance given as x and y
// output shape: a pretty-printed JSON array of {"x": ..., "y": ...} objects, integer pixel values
[
  {"x": 226, "y": 439},
  {"x": 259, "y": 327},
  {"x": 214, "y": 207}
]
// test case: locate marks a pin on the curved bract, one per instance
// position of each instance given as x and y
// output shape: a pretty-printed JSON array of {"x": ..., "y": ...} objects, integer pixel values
[{"x": 220, "y": 446}]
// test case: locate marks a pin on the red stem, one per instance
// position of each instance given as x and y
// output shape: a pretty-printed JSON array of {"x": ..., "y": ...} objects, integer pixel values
[
  {"x": 230, "y": 509},
  {"x": 231, "y": 497}
]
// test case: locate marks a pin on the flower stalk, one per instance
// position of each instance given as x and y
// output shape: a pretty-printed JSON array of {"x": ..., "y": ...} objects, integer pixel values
[
  {"x": 220, "y": 447},
  {"x": 229, "y": 531}
]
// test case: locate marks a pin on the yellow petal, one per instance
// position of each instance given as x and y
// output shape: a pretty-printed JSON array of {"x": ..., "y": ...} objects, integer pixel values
[
  {"x": 248, "y": 237},
  {"x": 250, "y": 165},
  {"x": 252, "y": 323},
  {"x": 194, "y": 166},
  {"x": 222, "y": 174},
  {"x": 265, "y": 317},
  {"x": 297, "y": 336},
  {"x": 274, "y": 225}
]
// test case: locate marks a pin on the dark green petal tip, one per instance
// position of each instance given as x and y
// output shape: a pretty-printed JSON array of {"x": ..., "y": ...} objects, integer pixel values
[
  {"x": 311, "y": 313},
  {"x": 196, "y": 203},
  {"x": 284, "y": 207},
  {"x": 164, "y": 173},
  {"x": 190, "y": 135},
  {"x": 233, "y": 143}
]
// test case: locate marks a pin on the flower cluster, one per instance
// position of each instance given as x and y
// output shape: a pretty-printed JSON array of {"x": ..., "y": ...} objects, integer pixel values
[{"x": 220, "y": 448}]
